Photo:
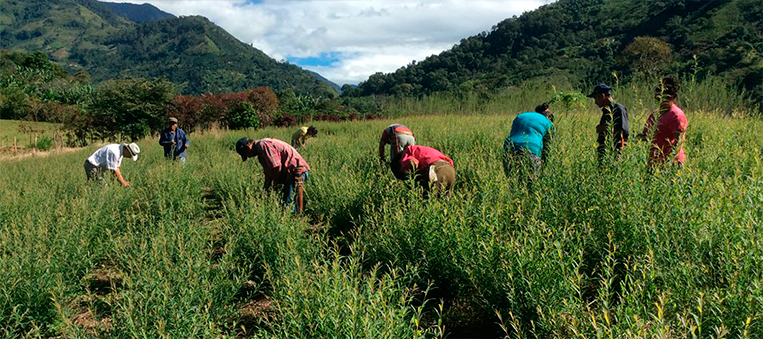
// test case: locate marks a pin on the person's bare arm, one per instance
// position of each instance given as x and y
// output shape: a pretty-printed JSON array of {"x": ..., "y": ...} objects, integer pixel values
[
  {"x": 118, "y": 175},
  {"x": 381, "y": 151}
]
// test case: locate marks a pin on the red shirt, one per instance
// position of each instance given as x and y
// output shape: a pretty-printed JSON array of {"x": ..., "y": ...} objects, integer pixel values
[
  {"x": 670, "y": 126},
  {"x": 273, "y": 153},
  {"x": 421, "y": 157},
  {"x": 388, "y": 135}
]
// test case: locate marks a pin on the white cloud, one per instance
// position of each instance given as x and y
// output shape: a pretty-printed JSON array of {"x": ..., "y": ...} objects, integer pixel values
[{"x": 369, "y": 36}]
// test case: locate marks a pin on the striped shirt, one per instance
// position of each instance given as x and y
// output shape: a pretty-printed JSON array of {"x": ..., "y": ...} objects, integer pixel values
[{"x": 389, "y": 133}]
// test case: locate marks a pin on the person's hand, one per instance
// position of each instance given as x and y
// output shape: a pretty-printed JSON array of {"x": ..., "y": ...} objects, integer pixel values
[
  {"x": 174, "y": 143},
  {"x": 601, "y": 128},
  {"x": 126, "y": 184}
]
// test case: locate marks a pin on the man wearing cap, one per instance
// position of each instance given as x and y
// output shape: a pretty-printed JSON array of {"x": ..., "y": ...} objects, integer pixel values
[
  {"x": 109, "y": 157},
  {"x": 174, "y": 140},
  {"x": 613, "y": 126},
  {"x": 398, "y": 137},
  {"x": 281, "y": 163}
]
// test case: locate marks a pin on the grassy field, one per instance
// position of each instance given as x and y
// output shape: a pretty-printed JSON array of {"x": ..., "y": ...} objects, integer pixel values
[
  {"x": 21, "y": 130},
  {"x": 201, "y": 252}
]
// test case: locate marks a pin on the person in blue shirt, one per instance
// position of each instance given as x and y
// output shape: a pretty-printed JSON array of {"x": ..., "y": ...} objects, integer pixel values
[
  {"x": 526, "y": 147},
  {"x": 175, "y": 141}
]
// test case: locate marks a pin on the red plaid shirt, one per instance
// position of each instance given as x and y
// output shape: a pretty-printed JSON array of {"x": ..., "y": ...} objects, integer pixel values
[{"x": 274, "y": 153}]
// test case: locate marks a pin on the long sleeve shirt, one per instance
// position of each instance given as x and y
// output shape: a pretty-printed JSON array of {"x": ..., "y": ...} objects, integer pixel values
[
  {"x": 181, "y": 142},
  {"x": 613, "y": 127},
  {"x": 279, "y": 159}
]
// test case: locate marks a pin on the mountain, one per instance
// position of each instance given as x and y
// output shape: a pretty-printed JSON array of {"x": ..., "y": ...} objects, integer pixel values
[
  {"x": 585, "y": 41},
  {"x": 138, "y": 13},
  {"x": 192, "y": 52},
  {"x": 327, "y": 81}
]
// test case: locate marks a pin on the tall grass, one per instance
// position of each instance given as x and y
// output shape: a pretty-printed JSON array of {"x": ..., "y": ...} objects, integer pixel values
[{"x": 617, "y": 252}]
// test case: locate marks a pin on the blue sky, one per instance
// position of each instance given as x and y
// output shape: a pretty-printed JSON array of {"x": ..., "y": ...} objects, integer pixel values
[{"x": 347, "y": 41}]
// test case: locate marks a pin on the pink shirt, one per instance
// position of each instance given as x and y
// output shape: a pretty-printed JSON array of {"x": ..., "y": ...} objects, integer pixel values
[
  {"x": 274, "y": 153},
  {"x": 669, "y": 127},
  {"x": 421, "y": 157}
]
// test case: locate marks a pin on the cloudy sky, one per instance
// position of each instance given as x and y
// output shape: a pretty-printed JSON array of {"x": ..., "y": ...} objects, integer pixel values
[{"x": 347, "y": 41}]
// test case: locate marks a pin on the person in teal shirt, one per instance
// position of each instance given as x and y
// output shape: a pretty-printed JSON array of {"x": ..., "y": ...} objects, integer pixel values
[{"x": 526, "y": 147}]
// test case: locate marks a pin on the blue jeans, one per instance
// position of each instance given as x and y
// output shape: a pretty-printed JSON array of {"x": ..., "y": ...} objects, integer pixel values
[{"x": 289, "y": 190}]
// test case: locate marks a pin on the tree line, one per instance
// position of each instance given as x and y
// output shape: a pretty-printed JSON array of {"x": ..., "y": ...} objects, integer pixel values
[{"x": 33, "y": 88}]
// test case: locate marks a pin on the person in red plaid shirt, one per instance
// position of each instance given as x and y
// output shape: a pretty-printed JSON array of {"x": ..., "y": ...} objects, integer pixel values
[{"x": 282, "y": 164}]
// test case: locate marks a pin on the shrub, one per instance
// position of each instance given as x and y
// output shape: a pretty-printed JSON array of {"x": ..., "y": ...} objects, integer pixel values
[{"x": 243, "y": 116}]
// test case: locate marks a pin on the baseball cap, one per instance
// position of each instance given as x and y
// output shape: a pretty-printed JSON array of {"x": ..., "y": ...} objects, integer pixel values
[
  {"x": 134, "y": 150},
  {"x": 241, "y": 148},
  {"x": 173, "y": 119},
  {"x": 600, "y": 88}
]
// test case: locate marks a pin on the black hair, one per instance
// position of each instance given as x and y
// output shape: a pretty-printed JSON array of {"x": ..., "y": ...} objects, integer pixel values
[
  {"x": 396, "y": 166},
  {"x": 542, "y": 110},
  {"x": 669, "y": 85},
  {"x": 312, "y": 130}
]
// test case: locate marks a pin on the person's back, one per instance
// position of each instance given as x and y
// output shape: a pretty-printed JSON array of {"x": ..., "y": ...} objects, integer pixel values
[
  {"x": 108, "y": 157},
  {"x": 528, "y": 131}
]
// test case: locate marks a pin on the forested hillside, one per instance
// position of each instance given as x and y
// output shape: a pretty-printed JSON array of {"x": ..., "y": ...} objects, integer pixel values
[
  {"x": 138, "y": 13},
  {"x": 197, "y": 55},
  {"x": 585, "y": 41}
]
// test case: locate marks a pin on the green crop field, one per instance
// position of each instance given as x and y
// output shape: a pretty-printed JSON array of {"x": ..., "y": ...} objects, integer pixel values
[{"x": 201, "y": 252}]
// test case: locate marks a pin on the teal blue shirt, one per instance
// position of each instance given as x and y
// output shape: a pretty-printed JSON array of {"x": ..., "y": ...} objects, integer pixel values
[{"x": 527, "y": 131}]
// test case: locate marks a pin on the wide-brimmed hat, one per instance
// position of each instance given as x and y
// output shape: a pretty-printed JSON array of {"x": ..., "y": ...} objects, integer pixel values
[
  {"x": 173, "y": 119},
  {"x": 600, "y": 88},
  {"x": 134, "y": 150}
]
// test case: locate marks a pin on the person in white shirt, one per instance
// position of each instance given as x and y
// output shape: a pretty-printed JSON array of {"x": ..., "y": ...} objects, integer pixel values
[{"x": 109, "y": 157}]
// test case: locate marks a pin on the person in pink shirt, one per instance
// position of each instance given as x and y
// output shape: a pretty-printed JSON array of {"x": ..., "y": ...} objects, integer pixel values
[
  {"x": 666, "y": 126},
  {"x": 432, "y": 169},
  {"x": 282, "y": 164}
]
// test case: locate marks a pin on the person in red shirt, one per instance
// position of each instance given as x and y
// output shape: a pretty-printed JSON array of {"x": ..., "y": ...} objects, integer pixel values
[
  {"x": 282, "y": 164},
  {"x": 666, "y": 126},
  {"x": 398, "y": 137},
  {"x": 432, "y": 169}
]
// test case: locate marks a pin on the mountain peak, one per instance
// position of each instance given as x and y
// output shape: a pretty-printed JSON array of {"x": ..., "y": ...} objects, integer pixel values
[{"x": 138, "y": 13}]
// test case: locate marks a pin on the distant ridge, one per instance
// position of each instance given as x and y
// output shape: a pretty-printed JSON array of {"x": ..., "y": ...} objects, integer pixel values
[
  {"x": 138, "y": 13},
  {"x": 192, "y": 52}
]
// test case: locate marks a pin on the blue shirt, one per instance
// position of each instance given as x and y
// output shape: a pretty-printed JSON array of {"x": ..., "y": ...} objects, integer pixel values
[
  {"x": 527, "y": 131},
  {"x": 180, "y": 138}
]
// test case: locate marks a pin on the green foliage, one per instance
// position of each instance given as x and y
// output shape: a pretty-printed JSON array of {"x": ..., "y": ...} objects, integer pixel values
[
  {"x": 205, "y": 252},
  {"x": 129, "y": 108},
  {"x": 43, "y": 144},
  {"x": 586, "y": 41},
  {"x": 243, "y": 116}
]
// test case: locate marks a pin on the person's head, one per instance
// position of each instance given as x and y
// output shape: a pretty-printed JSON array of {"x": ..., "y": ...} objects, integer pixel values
[
  {"x": 602, "y": 95},
  {"x": 312, "y": 131},
  {"x": 172, "y": 123},
  {"x": 396, "y": 166},
  {"x": 244, "y": 148},
  {"x": 667, "y": 89},
  {"x": 544, "y": 109},
  {"x": 131, "y": 150}
]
